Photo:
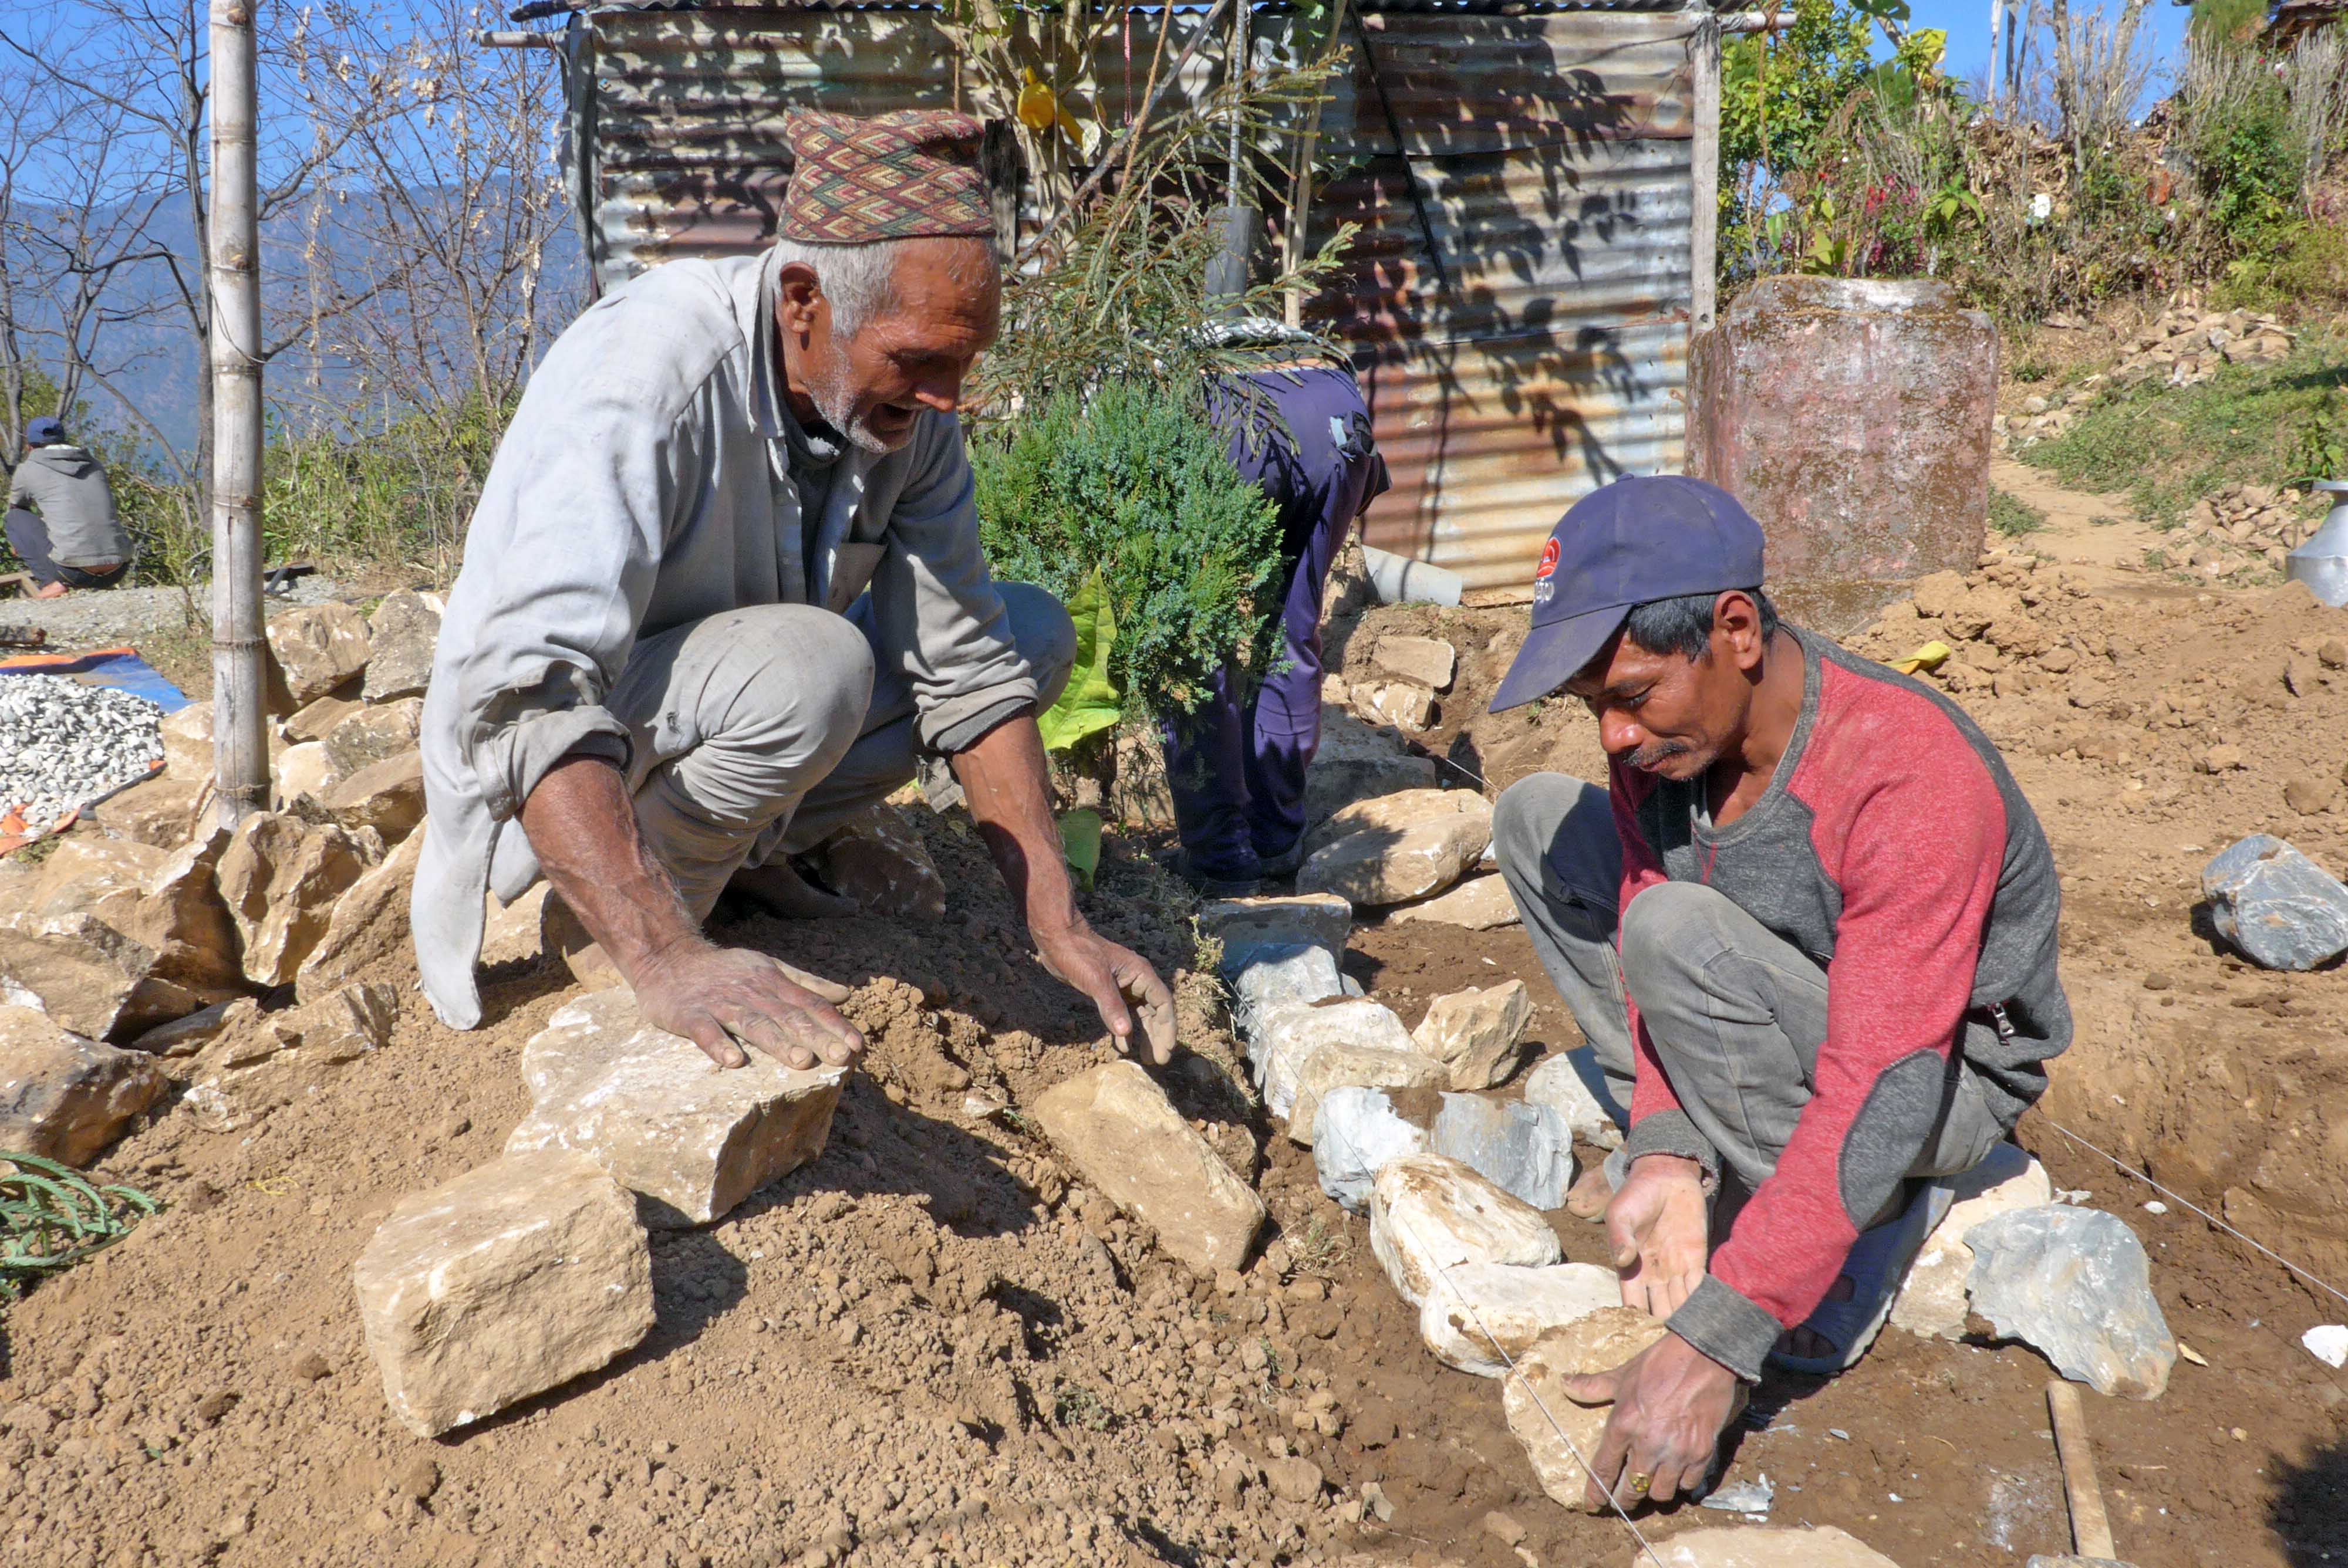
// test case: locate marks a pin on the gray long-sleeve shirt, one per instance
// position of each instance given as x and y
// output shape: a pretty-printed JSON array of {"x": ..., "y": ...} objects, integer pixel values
[
  {"x": 653, "y": 476},
  {"x": 69, "y": 487}
]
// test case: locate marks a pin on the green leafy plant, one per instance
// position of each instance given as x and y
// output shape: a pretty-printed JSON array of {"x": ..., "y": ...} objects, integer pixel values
[
  {"x": 2012, "y": 517},
  {"x": 1132, "y": 483},
  {"x": 1090, "y": 703},
  {"x": 51, "y": 1218}
]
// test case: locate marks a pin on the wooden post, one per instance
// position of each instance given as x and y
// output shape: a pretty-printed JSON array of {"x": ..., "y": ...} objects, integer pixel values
[
  {"x": 239, "y": 739},
  {"x": 1703, "y": 175}
]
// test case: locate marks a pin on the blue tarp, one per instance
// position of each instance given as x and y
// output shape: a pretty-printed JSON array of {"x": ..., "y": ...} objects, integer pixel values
[{"x": 120, "y": 668}]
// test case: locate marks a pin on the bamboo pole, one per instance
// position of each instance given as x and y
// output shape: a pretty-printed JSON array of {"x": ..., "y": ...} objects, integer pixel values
[
  {"x": 239, "y": 741},
  {"x": 1300, "y": 195},
  {"x": 1704, "y": 177}
]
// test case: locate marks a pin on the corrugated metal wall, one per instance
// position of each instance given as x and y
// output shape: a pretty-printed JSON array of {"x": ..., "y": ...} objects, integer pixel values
[{"x": 1519, "y": 299}]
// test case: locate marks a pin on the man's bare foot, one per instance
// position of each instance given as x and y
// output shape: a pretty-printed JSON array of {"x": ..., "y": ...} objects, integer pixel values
[
  {"x": 778, "y": 889},
  {"x": 1589, "y": 1196},
  {"x": 51, "y": 590},
  {"x": 1811, "y": 1345}
]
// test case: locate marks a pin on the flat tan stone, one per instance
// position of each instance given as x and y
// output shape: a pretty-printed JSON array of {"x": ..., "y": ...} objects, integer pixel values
[
  {"x": 1117, "y": 1126},
  {"x": 89, "y": 976},
  {"x": 314, "y": 722},
  {"x": 387, "y": 797},
  {"x": 1398, "y": 847},
  {"x": 1428, "y": 661},
  {"x": 368, "y": 925},
  {"x": 1406, "y": 705},
  {"x": 306, "y": 770},
  {"x": 318, "y": 647},
  {"x": 512, "y": 1279},
  {"x": 163, "y": 812},
  {"x": 374, "y": 732},
  {"x": 280, "y": 878},
  {"x": 190, "y": 1035},
  {"x": 1481, "y": 904},
  {"x": 1477, "y": 1035},
  {"x": 274, "y": 1059},
  {"x": 1366, "y": 1066},
  {"x": 1428, "y": 1212},
  {"x": 64, "y": 1097},
  {"x": 692, "y": 1138},
  {"x": 403, "y": 629},
  {"x": 514, "y": 932},
  {"x": 1770, "y": 1546},
  {"x": 1533, "y": 1396},
  {"x": 1284, "y": 1038},
  {"x": 188, "y": 742},
  {"x": 1482, "y": 1316},
  {"x": 879, "y": 860}
]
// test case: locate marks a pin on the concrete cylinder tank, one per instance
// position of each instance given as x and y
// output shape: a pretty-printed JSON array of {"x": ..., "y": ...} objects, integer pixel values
[{"x": 1852, "y": 418}]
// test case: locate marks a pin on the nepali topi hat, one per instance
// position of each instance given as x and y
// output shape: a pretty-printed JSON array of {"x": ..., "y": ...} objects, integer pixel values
[{"x": 902, "y": 175}]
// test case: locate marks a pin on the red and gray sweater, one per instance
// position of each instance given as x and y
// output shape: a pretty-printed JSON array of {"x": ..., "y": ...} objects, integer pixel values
[{"x": 1894, "y": 849}]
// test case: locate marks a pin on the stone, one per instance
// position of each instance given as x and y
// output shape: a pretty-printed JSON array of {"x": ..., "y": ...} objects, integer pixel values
[
  {"x": 375, "y": 733},
  {"x": 387, "y": 797},
  {"x": 691, "y": 1138},
  {"x": 307, "y": 769},
  {"x": 404, "y": 629},
  {"x": 1268, "y": 975},
  {"x": 1429, "y": 661},
  {"x": 188, "y": 742},
  {"x": 879, "y": 860},
  {"x": 1482, "y": 904},
  {"x": 513, "y": 1279},
  {"x": 1357, "y": 762},
  {"x": 1397, "y": 848},
  {"x": 514, "y": 932},
  {"x": 368, "y": 923},
  {"x": 281, "y": 878},
  {"x": 1286, "y": 1040},
  {"x": 2279, "y": 907},
  {"x": 163, "y": 812},
  {"x": 2310, "y": 794},
  {"x": 1293, "y": 1479},
  {"x": 1428, "y": 1213},
  {"x": 1355, "y": 1133},
  {"x": 1406, "y": 707},
  {"x": 1932, "y": 1300},
  {"x": 89, "y": 977},
  {"x": 190, "y": 1035},
  {"x": 318, "y": 647},
  {"x": 1320, "y": 919},
  {"x": 1341, "y": 1063},
  {"x": 1118, "y": 1128},
  {"x": 1766, "y": 1546},
  {"x": 1573, "y": 1084},
  {"x": 1557, "y": 1433},
  {"x": 1525, "y": 1150},
  {"x": 1476, "y": 1034},
  {"x": 314, "y": 722},
  {"x": 2076, "y": 1286},
  {"x": 2328, "y": 1343},
  {"x": 64, "y": 1097},
  {"x": 275, "y": 1058},
  {"x": 1482, "y": 1317}
]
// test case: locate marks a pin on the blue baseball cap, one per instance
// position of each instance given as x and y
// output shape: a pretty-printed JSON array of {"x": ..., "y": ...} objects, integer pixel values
[
  {"x": 1626, "y": 544},
  {"x": 44, "y": 431}
]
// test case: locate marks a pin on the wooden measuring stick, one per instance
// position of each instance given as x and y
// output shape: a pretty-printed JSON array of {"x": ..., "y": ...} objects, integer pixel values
[{"x": 2091, "y": 1532}]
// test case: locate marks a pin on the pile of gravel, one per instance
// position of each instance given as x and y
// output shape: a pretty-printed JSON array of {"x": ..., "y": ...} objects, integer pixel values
[{"x": 64, "y": 744}]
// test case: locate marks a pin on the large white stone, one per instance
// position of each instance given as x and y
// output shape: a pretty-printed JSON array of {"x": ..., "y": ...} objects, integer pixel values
[
  {"x": 1118, "y": 1128},
  {"x": 63, "y": 1097},
  {"x": 304, "y": 771},
  {"x": 1482, "y": 1316},
  {"x": 1283, "y": 1039},
  {"x": 1759, "y": 1547},
  {"x": 1525, "y": 1150},
  {"x": 1558, "y": 1435},
  {"x": 1364, "y": 1066},
  {"x": 374, "y": 732},
  {"x": 1932, "y": 1300},
  {"x": 1428, "y": 1213},
  {"x": 1381, "y": 866},
  {"x": 692, "y": 1138},
  {"x": 1429, "y": 661},
  {"x": 2075, "y": 1284},
  {"x": 405, "y": 630},
  {"x": 1355, "y": 1132},
  {"x": 1572, "y": 1083},
  {"x": 1321, "y": 918},
  {"x": 1477, "y": 1035},
  {"x": 1482, "y": 904},
  {"x": 1407, "y": 705},
  {"x": 1265, "y": 977},
  {"x": 512, "y": 1279}
]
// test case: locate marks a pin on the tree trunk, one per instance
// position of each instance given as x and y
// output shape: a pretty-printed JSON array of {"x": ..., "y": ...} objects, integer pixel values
[{"x": 241, "y": 745}]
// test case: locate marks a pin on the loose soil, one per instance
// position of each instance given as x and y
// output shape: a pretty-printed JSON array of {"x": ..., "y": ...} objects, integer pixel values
[{"x": 931, "y": 1346}]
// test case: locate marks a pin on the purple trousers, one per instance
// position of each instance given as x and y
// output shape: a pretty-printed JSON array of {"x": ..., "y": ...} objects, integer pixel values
[{"x": 1236, "y": 763}]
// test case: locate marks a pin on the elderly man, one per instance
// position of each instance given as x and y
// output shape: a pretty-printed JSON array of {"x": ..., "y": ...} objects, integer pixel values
[
  {"x": 724, "y": 591},
  {"x": 61, "y": 518},
  {"x": 1809, "y": 928}
]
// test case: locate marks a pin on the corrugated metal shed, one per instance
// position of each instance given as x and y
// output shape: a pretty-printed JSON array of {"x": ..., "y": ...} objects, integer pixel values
[{"x": 1519, "y": 298}]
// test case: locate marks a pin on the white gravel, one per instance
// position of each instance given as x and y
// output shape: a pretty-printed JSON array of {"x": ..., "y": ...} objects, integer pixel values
[
  {"x": 99, "y": 617},
  {"x": 64, "y": 744}
]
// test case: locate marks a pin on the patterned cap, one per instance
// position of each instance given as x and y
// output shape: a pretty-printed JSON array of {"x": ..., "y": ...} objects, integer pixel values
[{"x": 904, "y": 174}]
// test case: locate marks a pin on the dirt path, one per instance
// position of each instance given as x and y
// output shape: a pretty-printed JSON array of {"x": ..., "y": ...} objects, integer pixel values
[{"x": 2101, "y": 535}]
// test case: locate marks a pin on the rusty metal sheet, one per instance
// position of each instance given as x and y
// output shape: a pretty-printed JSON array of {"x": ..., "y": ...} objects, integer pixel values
[{"x": 1518, "y": 296}]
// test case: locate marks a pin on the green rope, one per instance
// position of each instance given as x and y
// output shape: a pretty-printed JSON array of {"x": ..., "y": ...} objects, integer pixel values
[{"x": 52, "y": 1218}]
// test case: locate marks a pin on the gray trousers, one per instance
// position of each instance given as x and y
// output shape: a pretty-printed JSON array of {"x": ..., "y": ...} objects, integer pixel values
[
  {"x": 1736, "y": 1012},
  {"x": 761, "y": 732}
]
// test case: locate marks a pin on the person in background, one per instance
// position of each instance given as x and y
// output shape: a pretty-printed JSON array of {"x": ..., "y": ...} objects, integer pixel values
[
  {"x": 70, "y": 536},
  {"x": 1235, "y": 764}
]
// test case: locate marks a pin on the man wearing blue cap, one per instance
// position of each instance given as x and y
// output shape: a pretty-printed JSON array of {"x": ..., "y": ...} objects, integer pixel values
[
  {"x": 61, "y": 518},
  {"x": 1809, "y": 929}
]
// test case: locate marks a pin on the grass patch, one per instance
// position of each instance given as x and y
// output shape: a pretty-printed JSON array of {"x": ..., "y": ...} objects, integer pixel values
[
  {"x": 2281, "y": 423},
  {"x": 2011, "y": 517}
]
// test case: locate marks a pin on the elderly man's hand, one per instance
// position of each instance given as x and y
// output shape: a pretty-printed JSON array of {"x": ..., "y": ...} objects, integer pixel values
[
  {"x": 1108, "y": 974},
  {"x": 1671, "y": 1403},
  {"x": 715, "y": 997}
]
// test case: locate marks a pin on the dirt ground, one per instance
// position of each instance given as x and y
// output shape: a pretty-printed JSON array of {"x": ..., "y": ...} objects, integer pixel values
[{"x": 929, "y": 1347}]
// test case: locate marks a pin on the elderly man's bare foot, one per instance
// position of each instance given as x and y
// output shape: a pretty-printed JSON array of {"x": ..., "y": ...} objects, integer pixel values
[
  {"x": 51, "y": 590},
  {"x": 779, "y": 889},
  {"x": 1589, "y": 1196}
]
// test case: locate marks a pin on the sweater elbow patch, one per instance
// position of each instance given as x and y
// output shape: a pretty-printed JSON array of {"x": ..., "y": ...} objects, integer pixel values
[{"x": 1888, "y": 1135}]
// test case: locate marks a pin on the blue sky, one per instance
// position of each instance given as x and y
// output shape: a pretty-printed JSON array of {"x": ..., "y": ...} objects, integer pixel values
[{"x": 1967, "y": 24}]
